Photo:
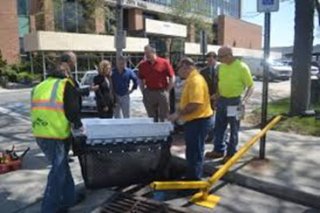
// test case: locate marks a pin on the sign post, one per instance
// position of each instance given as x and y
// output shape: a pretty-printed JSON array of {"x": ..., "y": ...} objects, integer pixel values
[{"x": 266, "y": 6}]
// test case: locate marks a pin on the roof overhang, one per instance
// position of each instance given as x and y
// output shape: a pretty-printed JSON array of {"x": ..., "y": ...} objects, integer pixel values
[{"x": 60, "y": 41}]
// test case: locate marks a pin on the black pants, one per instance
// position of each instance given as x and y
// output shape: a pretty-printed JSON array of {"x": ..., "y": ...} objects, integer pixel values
[{"x": 105, "y": 114}]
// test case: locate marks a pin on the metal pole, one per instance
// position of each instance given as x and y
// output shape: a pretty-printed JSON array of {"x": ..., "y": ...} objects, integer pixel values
[
  {"x": 77, "y": 16},
  {"x": 88, "y": 62},
  {"x": 62, "y": 15},
  {"x": 119, "y": 33},
  {"x": 44, "y": 66},
  {"x": 76, "y": 72},
  {"x": 31, "y": 62},
  {"x": 264, "y": 107}
]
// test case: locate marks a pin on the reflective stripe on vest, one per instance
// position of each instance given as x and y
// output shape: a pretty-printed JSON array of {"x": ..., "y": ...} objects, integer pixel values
[
  {"x": 51, "y": 104},
  {"x": 48, "y": 118}
]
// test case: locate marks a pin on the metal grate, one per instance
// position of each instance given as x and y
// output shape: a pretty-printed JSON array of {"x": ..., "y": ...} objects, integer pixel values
[{"x": 124, "y": 203}]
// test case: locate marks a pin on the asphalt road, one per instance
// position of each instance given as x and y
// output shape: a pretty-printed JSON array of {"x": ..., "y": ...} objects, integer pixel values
[{"x": 15, "y": 101}]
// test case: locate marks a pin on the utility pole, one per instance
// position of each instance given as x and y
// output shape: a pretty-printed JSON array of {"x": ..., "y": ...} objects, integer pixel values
[{"x": 119, "y": 37}]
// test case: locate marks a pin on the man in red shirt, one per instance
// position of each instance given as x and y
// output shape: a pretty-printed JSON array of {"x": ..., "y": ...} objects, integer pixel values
[{"x": 157, "y": 79}]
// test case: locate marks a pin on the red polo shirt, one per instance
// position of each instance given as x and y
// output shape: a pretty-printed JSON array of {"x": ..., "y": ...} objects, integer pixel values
[{"x": 156, "y": 74}]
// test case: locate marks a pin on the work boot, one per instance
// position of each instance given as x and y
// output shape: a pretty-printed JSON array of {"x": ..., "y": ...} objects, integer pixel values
[
  {"x": 213, "y": 155},
  {"x": 209, "y": 139},
  {"x": 80, "y": 196},
  {"x": 226, "y": 159}
]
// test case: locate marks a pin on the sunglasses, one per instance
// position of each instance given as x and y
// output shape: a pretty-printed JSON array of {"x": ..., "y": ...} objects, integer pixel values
[{"x": 223, "y": 56}]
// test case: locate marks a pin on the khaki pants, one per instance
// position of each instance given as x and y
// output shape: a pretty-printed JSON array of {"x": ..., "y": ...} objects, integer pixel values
[{"x": 156, "y": 103}]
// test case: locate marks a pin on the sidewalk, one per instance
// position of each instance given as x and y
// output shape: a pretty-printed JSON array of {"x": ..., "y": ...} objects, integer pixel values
[
  {"x": 5, "y": 90},
  {"x": 293, "y": 162}
]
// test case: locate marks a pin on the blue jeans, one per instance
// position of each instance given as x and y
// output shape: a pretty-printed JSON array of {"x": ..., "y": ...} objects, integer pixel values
[
  {"x": 60, "y": 190},
  {"x": 222, "y": 121},
  {"x": 195, "y": 133},
  {"x": 211, "y": 133}
]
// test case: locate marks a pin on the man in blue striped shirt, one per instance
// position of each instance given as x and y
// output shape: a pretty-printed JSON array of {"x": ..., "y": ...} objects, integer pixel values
[{"x": 121, "y": 77}]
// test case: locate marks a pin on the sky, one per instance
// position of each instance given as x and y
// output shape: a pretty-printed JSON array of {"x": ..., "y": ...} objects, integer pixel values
[{"x": 282, "y": 22}]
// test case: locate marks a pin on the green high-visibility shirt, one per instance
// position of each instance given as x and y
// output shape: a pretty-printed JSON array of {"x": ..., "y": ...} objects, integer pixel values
[{"x": 233, "y": 79}]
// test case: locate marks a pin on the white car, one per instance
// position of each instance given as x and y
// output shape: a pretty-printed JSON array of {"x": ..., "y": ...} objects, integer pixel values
[
  {"x": 314, "y": 71},
  {"x": 88, "y": 102},
  {"x": 277, "y": 70}
]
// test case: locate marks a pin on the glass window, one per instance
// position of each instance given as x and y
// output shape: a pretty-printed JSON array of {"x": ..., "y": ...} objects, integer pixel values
[
  {"x": 24, "y": 25},
  {"x": 69, "y": 16},
  {"x": 23, "y": 7}
]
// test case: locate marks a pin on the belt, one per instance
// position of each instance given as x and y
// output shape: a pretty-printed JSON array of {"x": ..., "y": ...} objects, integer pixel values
[
  {"x": 230, "y": 98},
  {"x": 199, "y": 119}
]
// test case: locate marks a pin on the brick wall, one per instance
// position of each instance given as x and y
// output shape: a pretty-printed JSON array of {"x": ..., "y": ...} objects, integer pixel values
[
  {"x": 9, "y": 32},
  {"x": 238, "y": 33},
  {"x": 100, "y": 20},
  {"x": 135, "y": 20}
]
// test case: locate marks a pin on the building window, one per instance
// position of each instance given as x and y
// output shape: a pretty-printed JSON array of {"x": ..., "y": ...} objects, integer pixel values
[
  {"x": 23, "y": 19},
  {"x": 73, "y": 16},
  {"x": 23, "y": 7}
]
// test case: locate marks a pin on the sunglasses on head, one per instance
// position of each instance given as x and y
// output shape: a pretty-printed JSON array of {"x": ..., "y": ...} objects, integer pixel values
[{"x": 223, "y": 56}]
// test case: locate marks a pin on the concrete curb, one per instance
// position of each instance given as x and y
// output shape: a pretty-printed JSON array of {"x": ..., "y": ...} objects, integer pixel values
[{"x": 275, "y": 190}]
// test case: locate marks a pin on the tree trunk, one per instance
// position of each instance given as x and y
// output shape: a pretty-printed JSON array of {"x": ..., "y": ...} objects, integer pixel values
[{"x": 302, "y": 53}]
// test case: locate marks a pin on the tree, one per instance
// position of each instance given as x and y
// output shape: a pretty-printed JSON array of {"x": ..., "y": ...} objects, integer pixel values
[
  {"x": 302, "y": 53},
  {"x": 192, "y": 13}
]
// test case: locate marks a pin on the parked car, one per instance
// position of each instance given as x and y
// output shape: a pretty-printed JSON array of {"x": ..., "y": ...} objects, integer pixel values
[
  {"x": 314, "y": 69},
  {"x": 277, "y": 69},
  {"x": 88, "y": 102},
  {"x": 201, "y": 64}
]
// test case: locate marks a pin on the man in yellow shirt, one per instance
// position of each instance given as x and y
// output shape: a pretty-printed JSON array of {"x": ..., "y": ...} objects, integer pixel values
[
  {"x": 195, "y": 110},
  {"x": 234, "y": 78}
]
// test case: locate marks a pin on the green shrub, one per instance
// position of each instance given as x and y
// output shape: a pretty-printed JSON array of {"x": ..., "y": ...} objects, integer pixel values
[
  {"x": 25, "y": 77},
  {"x": 2, "y": 61},
  {"x": 10, "y": 73}
]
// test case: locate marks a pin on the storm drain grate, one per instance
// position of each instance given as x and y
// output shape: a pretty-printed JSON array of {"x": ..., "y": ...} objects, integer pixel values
[{"x": 124, "y": 203}]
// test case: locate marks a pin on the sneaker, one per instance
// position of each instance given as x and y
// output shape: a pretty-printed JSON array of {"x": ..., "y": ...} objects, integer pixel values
[{"x": 213, "y": 155}]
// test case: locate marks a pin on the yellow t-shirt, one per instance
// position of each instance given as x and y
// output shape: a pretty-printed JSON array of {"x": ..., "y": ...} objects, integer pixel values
[
  {"x": 195, "y": 90},
  {"x": 234, "y": 79}
]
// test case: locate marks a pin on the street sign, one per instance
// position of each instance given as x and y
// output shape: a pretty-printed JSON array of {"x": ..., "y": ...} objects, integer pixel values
[
  {"x": 264, "y": 6},
  {"x": 120, "y": 40}
]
